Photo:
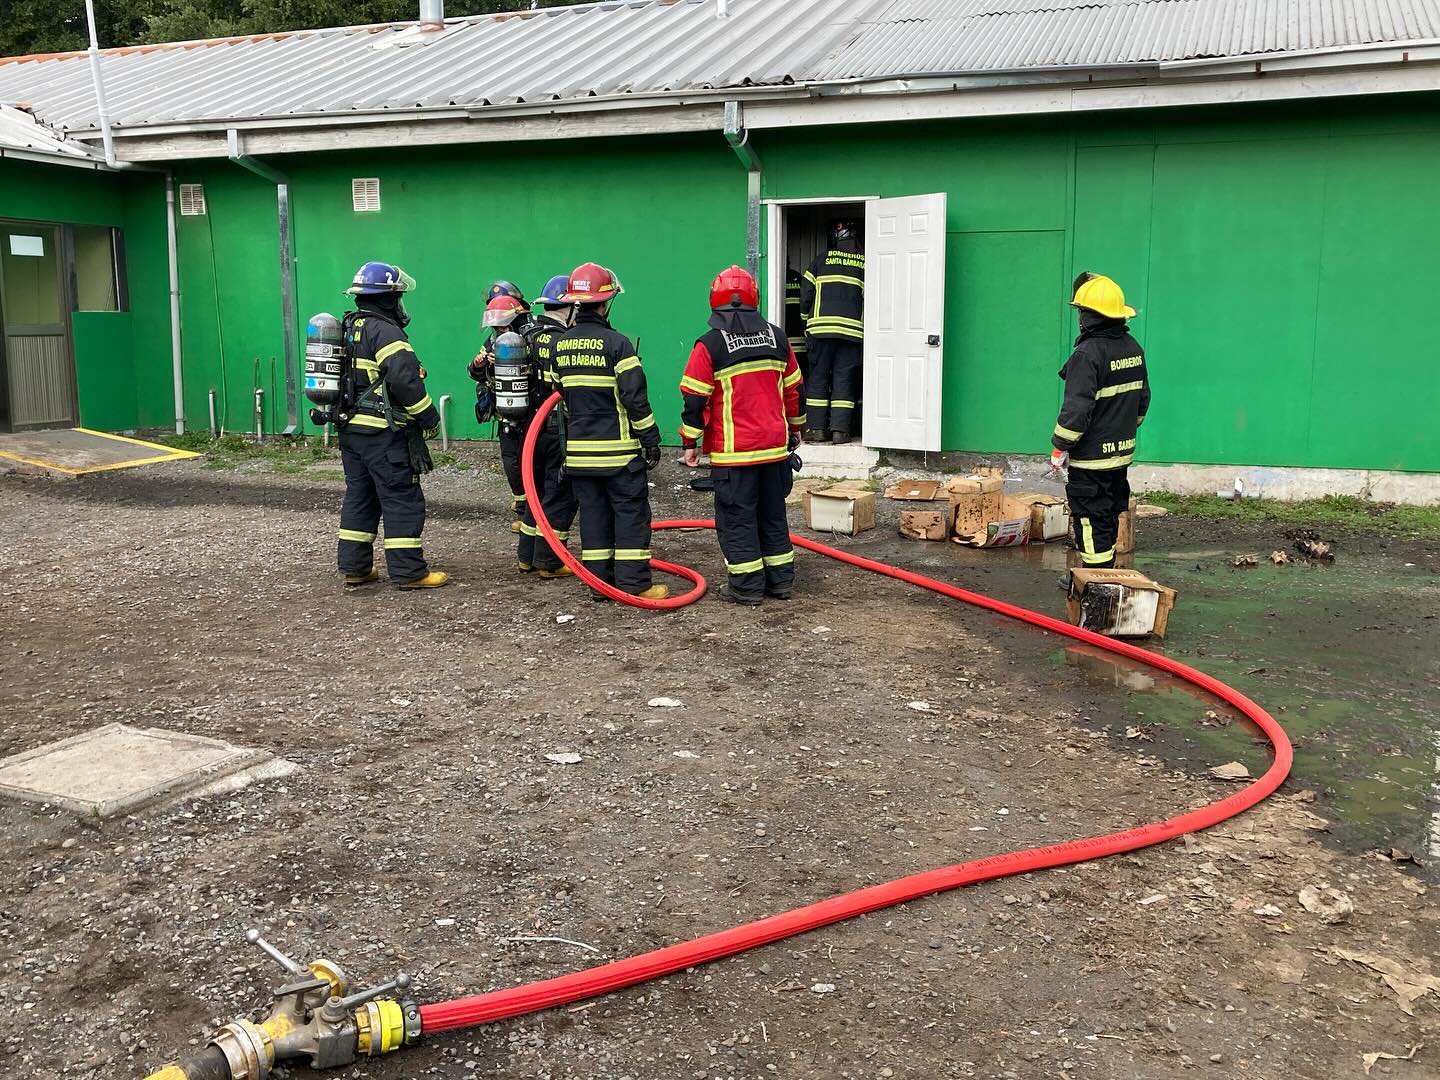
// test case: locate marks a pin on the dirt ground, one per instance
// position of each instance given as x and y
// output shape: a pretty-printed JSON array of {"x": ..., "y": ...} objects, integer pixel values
[{"x": 426, "y": 825}]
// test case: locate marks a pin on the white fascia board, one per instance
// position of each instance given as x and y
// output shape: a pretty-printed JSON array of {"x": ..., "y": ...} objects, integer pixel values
[{"x": 871, "y": 107}]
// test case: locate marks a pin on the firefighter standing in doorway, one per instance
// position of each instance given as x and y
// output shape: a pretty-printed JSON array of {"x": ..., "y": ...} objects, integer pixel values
[
  {"x": 498, "y": 318},
  {"x": 385, "y": 410},
  {"x": 1107, "y": 395},
  {"x": 742, "y": 395},
  {"x": 795, "y": 320},
  {"x": 611, "y": 438},
  {"x": 832, "y": 303},
  {"x": 557, "y": 499}
]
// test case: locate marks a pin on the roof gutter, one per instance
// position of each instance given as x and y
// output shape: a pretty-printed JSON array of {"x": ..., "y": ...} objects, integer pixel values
[
  {"x": 289, "y": 334},
  {"x": 739, "y": 140}
]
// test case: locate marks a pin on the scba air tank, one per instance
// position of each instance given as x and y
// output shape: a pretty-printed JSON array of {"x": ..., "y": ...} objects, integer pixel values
[
  {"x": 324, "y": 359},
  {"x": 512, "y": 377}
]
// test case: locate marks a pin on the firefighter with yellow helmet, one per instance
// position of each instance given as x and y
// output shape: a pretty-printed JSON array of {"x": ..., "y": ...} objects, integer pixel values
[{"x": 1107, "y": 394}]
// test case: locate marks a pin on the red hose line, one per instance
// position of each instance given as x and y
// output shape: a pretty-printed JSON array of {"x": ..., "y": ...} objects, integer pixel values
[{"x": 521, "y": 1000}]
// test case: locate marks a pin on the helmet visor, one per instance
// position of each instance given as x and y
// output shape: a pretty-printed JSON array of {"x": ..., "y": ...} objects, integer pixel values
[
  {"x": 406, "y": 282},
  {"x": 501, "y": 317}
]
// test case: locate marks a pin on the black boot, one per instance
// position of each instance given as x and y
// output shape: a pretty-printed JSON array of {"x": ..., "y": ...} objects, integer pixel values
[{"x": 817, "y": 435}]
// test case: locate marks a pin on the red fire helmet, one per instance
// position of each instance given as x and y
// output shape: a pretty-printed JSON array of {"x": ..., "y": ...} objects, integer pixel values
[
  {"x": 503, "y": 310},
  {"x": 591, "y": 283},
  {"x": 734, "y": 287}
]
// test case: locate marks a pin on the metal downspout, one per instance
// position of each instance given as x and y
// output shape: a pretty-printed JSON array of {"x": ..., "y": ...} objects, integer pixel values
[
  {"x": 177, "y": 355},
  {"x": 287, "y": 275},
  {"x": 739, "y": 140},
  {"x": 100, "y": 110}
]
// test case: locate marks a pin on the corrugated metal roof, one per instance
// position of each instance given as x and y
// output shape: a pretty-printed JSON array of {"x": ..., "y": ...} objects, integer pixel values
[
  {"x": 631, "y": 47},
  {"x": 21, "y": 131}
]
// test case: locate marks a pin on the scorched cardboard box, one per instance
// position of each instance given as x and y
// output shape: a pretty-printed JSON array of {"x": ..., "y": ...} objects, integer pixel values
[
  {"x": 924, "y": 524},
  {"x": 1118, "y": 603},
  {"x": 842, "y": 508},
  {"x": 974, "y": 503}
]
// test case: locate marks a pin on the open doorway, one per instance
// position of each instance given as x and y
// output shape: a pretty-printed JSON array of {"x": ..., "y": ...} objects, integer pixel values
[{"x": 903, "y": 242}]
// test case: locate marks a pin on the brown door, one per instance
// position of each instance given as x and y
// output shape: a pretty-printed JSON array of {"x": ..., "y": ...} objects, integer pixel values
[{"x": 38, "y": 365}]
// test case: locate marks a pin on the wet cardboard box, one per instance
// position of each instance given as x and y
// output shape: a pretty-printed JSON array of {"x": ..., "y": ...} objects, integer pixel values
[
  {"x": 924, "y": 524},
  {"x": 1118, "y": 603},
  {"x": 1049, "y": 515},
  {"x": 975, "y": 501},
  {"x": 846, "y": 508}
]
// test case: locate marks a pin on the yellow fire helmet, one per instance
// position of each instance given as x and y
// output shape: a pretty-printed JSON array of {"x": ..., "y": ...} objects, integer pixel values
[{"x": 1100, "y": 294}]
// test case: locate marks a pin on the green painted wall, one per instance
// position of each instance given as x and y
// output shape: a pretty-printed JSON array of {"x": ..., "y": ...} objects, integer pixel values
[
  {"x": 122, "y": 359},
  {"x": 1284, "y": 259},
  {"x": 456, "y": 220}
]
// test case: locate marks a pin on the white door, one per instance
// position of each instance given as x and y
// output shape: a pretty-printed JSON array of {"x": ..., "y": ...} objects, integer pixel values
[{"x": 904, "y": 317}]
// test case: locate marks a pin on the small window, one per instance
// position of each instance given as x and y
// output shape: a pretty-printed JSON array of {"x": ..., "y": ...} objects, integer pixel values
[
  {"x": 98, "y": 269},
  {"x": 192, "y": 200},
  {"x": 365, "y": 194}
]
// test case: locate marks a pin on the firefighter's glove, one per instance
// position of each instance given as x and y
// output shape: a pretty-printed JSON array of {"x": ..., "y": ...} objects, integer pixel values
[
  {"x": 431, "y": 433},
  {"x": 652, "y": 456},
  {"x": 794, "y": 443},
  {"x": 1059, "y": 460}
]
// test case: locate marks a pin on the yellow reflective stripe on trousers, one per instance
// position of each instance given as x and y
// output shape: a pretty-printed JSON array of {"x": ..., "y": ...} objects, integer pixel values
[
  {"x": 356, "y": 536},
  {"x": 596, "y": 554},
  {"x": 419, "y": 406},
  {"x": 779, "y": 560},
  {"x": 1103, "y": 463},
  {"x": 391, "y": 349},
  {"x": 817, "y": 403},
  {"x": 1119, "y": 388},
  {"x": 1068, "y": 433},
  {"x": 630, "y": 363},
  {"x": 1087, "y": 538},
  {"x": 695, "y": 386},
  {"x": 751, "y": 567},
  {"x": 836, "y": 403},
  {"x": 1090, "y": 558},
  {"x": 394, "y": 542},
  {"x": 632, "y": 554},
  {"x": 748, "y": 457}
]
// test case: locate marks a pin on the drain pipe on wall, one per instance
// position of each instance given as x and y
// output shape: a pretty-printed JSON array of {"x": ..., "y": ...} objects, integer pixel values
[
  {"x": 177, "y": 355},
  {"x": 739, "y": 140},
  {"x": 100, "y": 110},
  {"x": 287, "y": 274}
]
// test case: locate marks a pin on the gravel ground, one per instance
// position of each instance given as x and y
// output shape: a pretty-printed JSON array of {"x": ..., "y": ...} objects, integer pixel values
[{"x": 426, "y": 825}]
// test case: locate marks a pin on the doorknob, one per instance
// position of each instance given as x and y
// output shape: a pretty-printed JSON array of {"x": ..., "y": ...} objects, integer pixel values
[{"x": 933, "y": 341}]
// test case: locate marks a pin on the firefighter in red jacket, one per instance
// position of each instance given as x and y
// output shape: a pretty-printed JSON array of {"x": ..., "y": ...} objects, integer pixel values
[{"x": 742, "y": 395}]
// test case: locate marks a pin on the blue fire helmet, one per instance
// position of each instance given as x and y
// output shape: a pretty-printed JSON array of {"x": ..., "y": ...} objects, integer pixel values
[
  {"x": 555, "y": 288},
  {"x": 504, "y": 288},
  {"x": 377, "y": 278}
]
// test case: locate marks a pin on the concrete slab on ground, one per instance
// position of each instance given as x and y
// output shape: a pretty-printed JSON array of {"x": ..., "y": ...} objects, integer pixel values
[
  {"x": 116, "y": 769},
  {"x": 847, "y": 461},
  {"x": 77, "y": 451}
]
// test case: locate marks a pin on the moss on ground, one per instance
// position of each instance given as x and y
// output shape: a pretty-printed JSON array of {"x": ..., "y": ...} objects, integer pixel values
[{"x": 1333, "y": 511}]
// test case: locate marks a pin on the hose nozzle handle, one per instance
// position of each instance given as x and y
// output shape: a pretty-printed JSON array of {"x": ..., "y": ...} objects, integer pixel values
[{"x": 253, "y": 937}]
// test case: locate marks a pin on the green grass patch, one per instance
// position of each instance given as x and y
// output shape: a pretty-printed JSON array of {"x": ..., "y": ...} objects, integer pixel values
[
  {"x": 1332, "y": 512},
  {"x": 280, "y": 453}
]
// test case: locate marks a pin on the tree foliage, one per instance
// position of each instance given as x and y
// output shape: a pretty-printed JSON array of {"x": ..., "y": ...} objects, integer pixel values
[{"x": 43, "y": 26}]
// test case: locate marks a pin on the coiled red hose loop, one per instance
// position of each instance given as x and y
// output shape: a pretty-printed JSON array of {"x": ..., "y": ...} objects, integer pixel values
[{"x": 521, "y": 1000}]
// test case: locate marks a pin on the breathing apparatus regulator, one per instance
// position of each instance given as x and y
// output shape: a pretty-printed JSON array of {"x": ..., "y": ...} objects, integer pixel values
[
  {"x": 326, "y": 361},
  {"x": 511, "y": 376}
]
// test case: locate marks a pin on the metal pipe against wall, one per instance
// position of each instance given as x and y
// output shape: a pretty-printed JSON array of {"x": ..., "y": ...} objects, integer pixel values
[
  {"x": 100, "y": 108},
  {"x": 214, "y": 424},
  {"x": 739, "y": 139},
  {"x": 444, "y": 430},
  {"x": 177, "y": 355},
  {"x": 290, "y": 334},
  {"x": 259, "y": 414}
]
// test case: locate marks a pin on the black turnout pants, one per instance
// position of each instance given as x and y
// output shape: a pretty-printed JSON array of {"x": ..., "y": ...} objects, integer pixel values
[
  {"x": 380, "y": 483},
  {"x": 615, "y": 525},
  {"x": 557, "y": 500},
  {"x": 1097, "y": 499},
  {"x": 512, "y": 439},
  {"x": 750, "y": 522},
  {"x": 832, "y": 387}
]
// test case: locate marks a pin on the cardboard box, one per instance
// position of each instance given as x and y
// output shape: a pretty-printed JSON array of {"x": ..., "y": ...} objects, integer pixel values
[
  {"x": 998, "y": 534},
  {"x": 925, "y": 524},
  {"x": 1049, "y": 514},
  {"x": 1118, "y": 603},
  {"x": 914, "y": 490},
  {"x": 841, "y": 508},
  {"x": 975, "y": 501},
  {"x": 1125, "y": 540}
]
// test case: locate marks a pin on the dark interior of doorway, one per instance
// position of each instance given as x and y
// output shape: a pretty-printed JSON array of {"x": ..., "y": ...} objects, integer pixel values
[{"x": 807, "y": 229}]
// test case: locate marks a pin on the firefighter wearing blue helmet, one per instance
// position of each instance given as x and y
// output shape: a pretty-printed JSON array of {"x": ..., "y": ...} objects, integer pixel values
[{"x": 384, "y": 416}]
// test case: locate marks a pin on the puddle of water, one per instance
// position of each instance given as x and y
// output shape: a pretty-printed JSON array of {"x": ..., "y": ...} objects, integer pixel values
[{"x": 1346, "y": 657}]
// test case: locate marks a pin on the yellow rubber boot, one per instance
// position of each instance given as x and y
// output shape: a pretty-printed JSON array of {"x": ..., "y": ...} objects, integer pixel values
[
  {"x": 559, "y": 572},
  {"x": 655, "y": 592},
  {"x": 516, "y": 527},
  {"x": 523, "y": 567},
  {"x": 362, "y": 579},
  {"x": 433, "y": 580}
]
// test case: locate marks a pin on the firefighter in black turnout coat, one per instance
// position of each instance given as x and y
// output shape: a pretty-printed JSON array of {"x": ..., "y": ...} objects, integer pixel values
[
  {"x": 832, "y": 303},
  {"x": 1107, "y": 395},
  {"x": 611, "y": 438},
  {"x": 382, "y": 448}
]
